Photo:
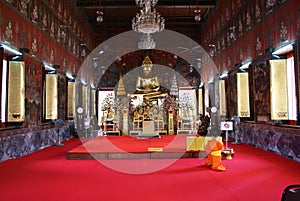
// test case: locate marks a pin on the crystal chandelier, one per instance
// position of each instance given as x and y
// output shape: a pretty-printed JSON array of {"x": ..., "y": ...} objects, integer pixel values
[
  {"x": 197, "y": 15},
  {"x": 99, "y": 17},
  {"x": 147, "y": 21},
  {"x": 146, "y": 42},
  {"x": 212, "y": 50}
]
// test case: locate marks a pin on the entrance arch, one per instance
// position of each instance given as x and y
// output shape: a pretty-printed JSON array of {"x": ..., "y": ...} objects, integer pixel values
[{"x": 103, "y": 56}]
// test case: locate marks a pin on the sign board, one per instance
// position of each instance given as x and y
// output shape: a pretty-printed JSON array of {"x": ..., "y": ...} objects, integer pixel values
[{"x": 226, "y": 126}]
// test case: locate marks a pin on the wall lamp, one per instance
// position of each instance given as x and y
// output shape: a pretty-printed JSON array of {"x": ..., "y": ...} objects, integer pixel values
[
  {"x": 93, "y": 86},
  {"x": 69, "y": 75},
  {"x": 211, "y": 80},
  {"x": 224, "y": 74},
  {"x": 9, "y": 49},
  {"x": 83, "y": 82},
  {"x": 284, "y": 49},
  {"x": 245, "y": 65},
  {"x": 49, "y": 67}
]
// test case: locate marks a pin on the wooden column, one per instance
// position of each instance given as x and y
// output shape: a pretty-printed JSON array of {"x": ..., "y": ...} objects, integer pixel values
[
  {"x": 297, "y": 75},
  {"x": 1, "y": 71}
]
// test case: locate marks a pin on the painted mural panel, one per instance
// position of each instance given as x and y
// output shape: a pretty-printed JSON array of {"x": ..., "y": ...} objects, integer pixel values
[
  {"x": 232, "y": 94},
  {"x": 33, "y": 93},
  {"x": 261, "y": 89}
]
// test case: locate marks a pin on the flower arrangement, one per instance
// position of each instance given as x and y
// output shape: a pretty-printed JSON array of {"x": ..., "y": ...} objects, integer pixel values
[
  {"x": 107, "y": 102},
  {"x": 204, "y": 124},
  {"x": 129, "y": 102},
  {"x": 169, "y": 103}
]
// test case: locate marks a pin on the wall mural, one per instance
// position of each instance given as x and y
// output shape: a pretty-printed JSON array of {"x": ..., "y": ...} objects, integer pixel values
[
  {"x": 62, "y": 86},
  {"x": 250, "y": 30},
  {"x": 45, "y": 31},
  {"x": 231, "y": 94},
  {"x": 52, "y": 25},
  {"x": 262, "y": 89},
  {"x": 33, "y": 94}
]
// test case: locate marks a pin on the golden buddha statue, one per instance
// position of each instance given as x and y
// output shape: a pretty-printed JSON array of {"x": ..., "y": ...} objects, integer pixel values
[
  {"x": 148, "y": 86},
  {"x": 110, "y": 115}
]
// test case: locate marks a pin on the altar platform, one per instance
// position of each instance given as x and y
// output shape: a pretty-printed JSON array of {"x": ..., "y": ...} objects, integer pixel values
[{"x": 129, "y": 147}]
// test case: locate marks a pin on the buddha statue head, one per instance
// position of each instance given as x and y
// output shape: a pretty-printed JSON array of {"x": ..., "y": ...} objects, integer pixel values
[{"x": 147, "y": 65}]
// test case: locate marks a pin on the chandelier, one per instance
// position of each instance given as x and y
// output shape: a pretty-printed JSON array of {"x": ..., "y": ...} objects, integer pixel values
[
  {"x": 147, "y": 21},
  {"x": 197, "y": 15},
  {"x": 146, "y": 42}
]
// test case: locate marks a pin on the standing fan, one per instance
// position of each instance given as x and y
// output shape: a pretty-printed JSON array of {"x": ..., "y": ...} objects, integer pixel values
[
  {"x": 236, "y": 121},
  {"x": 59, "y": 124}
]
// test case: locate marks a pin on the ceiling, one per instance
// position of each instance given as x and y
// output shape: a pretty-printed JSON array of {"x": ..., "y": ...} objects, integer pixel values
[{"x": 117, "y": 15}]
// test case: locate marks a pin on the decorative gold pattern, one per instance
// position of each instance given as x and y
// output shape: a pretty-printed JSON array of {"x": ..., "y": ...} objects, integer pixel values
[
  {"x": 84, "y": 98},
  {"x": 16, "y": 91},
  {"x": 279, "y": 103},
  {"x": 93, "y": 102},
  {"x": 223, "y": 109},
  {"x": 121, "y": 88},
  {"x": 200, "y": 101},
  {"x": 71, "y": 99},
  {"x": 243, "y": 103},
  {"x": 51, "y": 96}
]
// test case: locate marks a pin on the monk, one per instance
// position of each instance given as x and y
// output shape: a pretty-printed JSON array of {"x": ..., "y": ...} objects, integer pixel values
[{"x": 214, "y": 148}]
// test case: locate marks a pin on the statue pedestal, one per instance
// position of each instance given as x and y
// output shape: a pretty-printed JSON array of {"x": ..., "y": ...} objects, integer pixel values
[{"x": 148, "y": 127}]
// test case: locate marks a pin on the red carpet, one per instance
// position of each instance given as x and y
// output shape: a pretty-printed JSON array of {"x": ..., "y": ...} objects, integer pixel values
[{"x": 46, "y": 175}]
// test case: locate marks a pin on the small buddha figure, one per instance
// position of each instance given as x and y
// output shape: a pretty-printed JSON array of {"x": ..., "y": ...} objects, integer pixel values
[
  {"x": 59, "y": 9},
  {"x": 34, "y": 47},
  {"x": 147, "y": 113},
  {"x": 8, "y": 31},
  {"x": 44, "y": 22},
  {"x": 23, "y": 6},
  {"x": 35, "y": 14},
  {"x": 110, "y": 115},
  {"x": 148, "y": 86},
  {"x": 283, "y": 31},
  {"x": 52, "y": 30}
]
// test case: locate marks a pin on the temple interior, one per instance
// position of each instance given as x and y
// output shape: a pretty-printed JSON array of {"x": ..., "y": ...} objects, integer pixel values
[{"x": 150, "y": 68}]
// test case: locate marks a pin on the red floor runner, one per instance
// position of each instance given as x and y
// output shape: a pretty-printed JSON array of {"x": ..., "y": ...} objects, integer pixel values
[{"x": 253, "y": 174}]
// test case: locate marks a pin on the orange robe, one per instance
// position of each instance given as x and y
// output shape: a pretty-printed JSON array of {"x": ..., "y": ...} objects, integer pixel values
[{"x": 213, "y": 148}]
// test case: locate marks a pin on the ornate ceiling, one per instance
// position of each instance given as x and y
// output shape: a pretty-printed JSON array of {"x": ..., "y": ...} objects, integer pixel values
[{"x": 117, "y": 15}]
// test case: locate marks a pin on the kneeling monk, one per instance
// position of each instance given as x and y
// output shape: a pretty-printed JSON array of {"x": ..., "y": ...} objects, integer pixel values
[{"x": 214, "y": 148}]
